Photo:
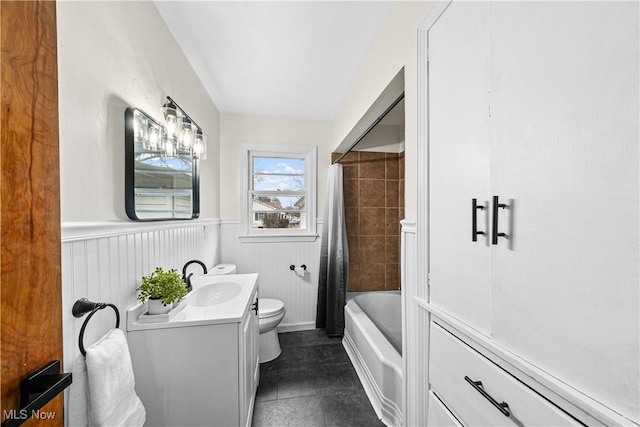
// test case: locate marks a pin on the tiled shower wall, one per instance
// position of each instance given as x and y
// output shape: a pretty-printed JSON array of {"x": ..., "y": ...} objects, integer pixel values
[{"x": 374, "y": 203}]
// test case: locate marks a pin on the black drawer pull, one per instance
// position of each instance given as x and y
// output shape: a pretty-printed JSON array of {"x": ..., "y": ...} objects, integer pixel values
[
  {"x": 474, "y": 220},
  {"x": 495, "y": 233},
  {"x": 502, "y": 407}
]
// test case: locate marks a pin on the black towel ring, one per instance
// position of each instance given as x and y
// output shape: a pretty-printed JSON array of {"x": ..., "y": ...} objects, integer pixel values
[{"x": 84, "y": 306}]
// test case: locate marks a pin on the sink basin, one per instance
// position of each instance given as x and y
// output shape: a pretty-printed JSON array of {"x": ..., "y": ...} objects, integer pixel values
[{"x": 214, "y": 294}]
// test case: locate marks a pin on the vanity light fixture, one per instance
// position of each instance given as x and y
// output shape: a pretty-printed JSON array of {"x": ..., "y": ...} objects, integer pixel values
[{"x": 179, "y": 133}]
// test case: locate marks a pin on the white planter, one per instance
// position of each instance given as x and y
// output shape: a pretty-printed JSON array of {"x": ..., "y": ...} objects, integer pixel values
[{"x": 156, "y": 306}]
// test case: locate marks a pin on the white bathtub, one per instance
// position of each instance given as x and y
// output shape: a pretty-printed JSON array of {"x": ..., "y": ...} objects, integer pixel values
[{"x": 376, "y": 360}]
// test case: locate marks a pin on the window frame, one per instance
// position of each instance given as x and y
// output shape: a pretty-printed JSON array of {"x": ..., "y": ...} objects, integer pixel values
[{"x": 306, "y": 152}]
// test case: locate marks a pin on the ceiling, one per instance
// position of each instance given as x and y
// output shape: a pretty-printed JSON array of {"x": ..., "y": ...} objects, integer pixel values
[{"x": 276, "y": 58}]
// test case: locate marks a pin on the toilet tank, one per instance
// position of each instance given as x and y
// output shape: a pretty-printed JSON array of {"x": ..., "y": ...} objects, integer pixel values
[{"x": 223, "y": 269}]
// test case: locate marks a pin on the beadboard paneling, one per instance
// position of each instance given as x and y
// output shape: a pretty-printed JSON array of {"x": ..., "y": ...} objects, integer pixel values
[
  {"x": 272, "y": 261},
  {"x": 105, "y": 262}
]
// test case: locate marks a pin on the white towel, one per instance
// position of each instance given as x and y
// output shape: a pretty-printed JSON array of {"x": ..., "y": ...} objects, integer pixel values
[{"x": 104, "y": 386}]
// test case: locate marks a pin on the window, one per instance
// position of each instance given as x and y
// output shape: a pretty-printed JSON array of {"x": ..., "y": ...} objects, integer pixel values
[{"x": 280, "y": 191}]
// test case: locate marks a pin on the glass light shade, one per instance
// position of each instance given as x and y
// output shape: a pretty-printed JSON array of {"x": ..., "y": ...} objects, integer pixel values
[
  {"x": 170, "y": 115},
  {"x": 200, "y": 146},
  {"x": 186, "y": 133},
  {"x": 171, "y": 125}
]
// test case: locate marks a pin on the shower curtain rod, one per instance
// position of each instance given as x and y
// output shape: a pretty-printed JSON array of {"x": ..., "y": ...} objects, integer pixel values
[{"x": 366, "y": 132}]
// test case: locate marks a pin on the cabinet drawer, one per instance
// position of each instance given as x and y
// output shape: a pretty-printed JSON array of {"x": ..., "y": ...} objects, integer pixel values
[
  {"x": 439, "y": 415},
  {"x": 451, "y": 361}
]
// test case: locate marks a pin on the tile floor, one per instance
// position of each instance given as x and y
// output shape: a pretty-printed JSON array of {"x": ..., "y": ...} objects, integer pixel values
[{"x": 312, "y": 383}]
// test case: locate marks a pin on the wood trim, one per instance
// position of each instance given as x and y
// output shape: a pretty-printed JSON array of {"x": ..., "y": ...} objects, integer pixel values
[{"x": 30, "y": 277}]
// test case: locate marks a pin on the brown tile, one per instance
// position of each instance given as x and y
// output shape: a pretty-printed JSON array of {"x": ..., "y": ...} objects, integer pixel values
[
  {"x": 350, "y": 166},
  {"x": 334, "y": 156},
  {"x": 372, "y": 165},
  {"x": 355, "y": 277},
  {"x": 392, "y": 165},
  {"x": 350, "y": 187},
  {"x": 393, "y": 193},
  {"x": 392, "y": 277},
  {"x": 372, "y": 221},
  {"x": 391, "y": 222},
  {"x": 392, "y": 249},
  {"x": 372, "y": 193},
  {"x": 401, "y": 165},
  {"x": 355, "y": 250},
  {"x": 352, "y": 219},
  {"x": 401, "y": 193},
  {"x": 373, "y": 249},
  {"x": 373, "y": 277},
  {"x": 401, "y": 214}
]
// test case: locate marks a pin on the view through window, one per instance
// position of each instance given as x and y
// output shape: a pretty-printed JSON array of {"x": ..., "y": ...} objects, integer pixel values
[{"x": 278, "y": 193}]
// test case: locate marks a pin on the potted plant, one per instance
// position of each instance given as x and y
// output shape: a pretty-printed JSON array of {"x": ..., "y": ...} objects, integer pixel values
[{"x": 162, "y": 289}]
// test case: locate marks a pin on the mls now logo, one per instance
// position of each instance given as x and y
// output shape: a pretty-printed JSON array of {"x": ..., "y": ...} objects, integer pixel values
[{"x": 23, "y": 414}]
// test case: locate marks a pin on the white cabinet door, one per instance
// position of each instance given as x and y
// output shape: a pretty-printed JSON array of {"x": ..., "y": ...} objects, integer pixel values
[
  {"x": 246, "y": 374},
  {"x": 249, "y": 362},
  {"x": 459, "y": 163},
  {"x": 564, "y": 120}
]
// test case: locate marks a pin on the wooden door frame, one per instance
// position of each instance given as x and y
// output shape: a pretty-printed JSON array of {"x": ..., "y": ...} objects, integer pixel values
[{"x": 30, "y": 245}]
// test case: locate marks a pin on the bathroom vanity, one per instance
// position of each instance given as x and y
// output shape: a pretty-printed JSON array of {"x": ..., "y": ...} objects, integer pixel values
[{"x": 199, "y": 367}]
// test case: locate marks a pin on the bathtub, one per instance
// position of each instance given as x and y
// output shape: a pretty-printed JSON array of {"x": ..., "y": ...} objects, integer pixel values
[{"x": 373, "y": 341}]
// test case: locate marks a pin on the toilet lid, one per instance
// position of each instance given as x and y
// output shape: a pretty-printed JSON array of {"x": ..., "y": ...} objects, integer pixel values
[{"x": 268, "y": 307}]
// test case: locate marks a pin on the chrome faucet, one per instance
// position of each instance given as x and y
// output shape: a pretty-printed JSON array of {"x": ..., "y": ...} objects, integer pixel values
[{"x": 187, "y": 279}]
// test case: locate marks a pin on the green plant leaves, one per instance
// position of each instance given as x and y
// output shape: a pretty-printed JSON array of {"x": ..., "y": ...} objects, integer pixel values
[{"x": 165, "y": 285}]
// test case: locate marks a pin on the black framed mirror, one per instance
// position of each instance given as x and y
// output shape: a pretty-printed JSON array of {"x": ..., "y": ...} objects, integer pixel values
[{"x": 161, "y": 181}]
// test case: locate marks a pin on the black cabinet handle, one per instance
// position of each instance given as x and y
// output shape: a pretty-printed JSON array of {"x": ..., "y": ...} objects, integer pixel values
[
  {"x": 474, "y": 220},
  {"x": 254, "y": 306},
  {"x": 502, "y": 406},
  {"x": 494, "y": 232}
]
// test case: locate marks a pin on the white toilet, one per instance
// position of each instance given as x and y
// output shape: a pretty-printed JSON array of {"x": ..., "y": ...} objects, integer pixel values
[{"x": 270, "y": 314}]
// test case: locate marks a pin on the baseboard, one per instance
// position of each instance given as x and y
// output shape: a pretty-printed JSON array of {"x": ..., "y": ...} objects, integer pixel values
[{"x": 292, "y": 327}]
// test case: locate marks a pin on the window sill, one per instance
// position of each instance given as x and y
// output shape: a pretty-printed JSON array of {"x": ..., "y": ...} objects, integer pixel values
[{"x": 277, "y": 238}]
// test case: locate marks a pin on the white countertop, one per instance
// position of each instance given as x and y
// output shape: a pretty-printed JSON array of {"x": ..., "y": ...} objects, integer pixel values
[{"x": 185, "y": 315}]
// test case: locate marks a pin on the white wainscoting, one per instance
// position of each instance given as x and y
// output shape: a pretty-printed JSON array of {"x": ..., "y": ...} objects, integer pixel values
[
  {"x": 272, "y": 260},
  {"x": 415, "y": 329},
  {"x": 105, "y": 262}
]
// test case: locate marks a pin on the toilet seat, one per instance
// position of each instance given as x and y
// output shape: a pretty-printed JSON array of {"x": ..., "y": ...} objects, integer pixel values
[{"x": 268, "y": 307}]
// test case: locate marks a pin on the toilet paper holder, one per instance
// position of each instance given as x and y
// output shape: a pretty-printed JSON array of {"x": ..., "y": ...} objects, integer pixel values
[{"x": 293, "y": 267}]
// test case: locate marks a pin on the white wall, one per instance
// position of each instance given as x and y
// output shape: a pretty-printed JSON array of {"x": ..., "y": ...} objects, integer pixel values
[
  {"x": 236, "y": 129},
  {"x": 395, "y": 47},
  {"x": 112, "y": 55},
  {"x": 272, "y": 259}
]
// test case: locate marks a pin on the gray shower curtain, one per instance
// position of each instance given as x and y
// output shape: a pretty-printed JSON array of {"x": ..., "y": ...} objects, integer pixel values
[{"x": 334, "y": 259}]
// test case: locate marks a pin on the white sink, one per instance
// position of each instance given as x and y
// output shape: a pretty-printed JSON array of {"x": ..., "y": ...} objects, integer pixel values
[
  {"x": 214, "y": 299},
  {"x": 214, "y": 294}
]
